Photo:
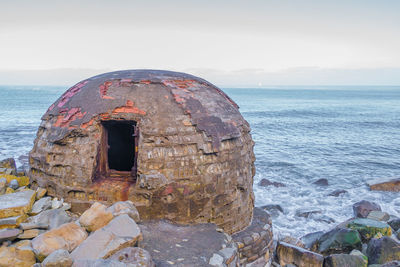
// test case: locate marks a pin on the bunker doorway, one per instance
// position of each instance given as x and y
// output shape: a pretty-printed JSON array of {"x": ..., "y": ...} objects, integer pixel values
[{"x": 119, "y": 149}]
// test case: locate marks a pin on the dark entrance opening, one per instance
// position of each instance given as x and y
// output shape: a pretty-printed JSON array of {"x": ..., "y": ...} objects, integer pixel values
[{"x": 119, "y": 153}]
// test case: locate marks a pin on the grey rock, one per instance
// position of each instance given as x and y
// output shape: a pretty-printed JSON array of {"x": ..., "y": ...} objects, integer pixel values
[
  {"x": 41, "y": 205},
  {"x": 52, "y": 218},
  {"x": 120, "y": 232},
  {"x": 265, "y": 182},
  {"x": 306, "y": 213},
  {"x": 391, "y": 264},
  {"x": 55, "y": 203},
  {"x": 273, "y": 209},
  {"x": 28, "y": 226},
  {"x": 11, "y": 222},
  {"x": 216, "y": 260},
  {"x": 14, "y": 184},
  {"x": 9, "y": 234},
  {"x": 340, "y": 260},
  {"x": 394, "y": 223},
  {"x": 310, "y": 239},
  {"x": 378, "y": 216},
  {"x": 321, "y": 182},
  {"x": 383, "y": 250},
  {"x": 337, "y": 193},
  {"x": 124, "y": 207},
  {"x": 58, "y": 258},
  {"x": 290, "y": 254},
  {"x": 362, "y": 208},
  {"x": 339, "y": 240}
]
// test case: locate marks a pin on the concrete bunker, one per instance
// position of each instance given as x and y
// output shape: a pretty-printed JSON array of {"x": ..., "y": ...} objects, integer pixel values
[{"x": 174, "y": 144}]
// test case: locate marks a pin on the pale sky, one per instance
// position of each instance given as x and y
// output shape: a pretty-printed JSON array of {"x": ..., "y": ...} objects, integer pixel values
[{"x": 244, "y": 43}]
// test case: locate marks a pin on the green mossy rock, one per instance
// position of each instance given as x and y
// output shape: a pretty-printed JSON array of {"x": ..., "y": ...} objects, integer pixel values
[
  {"x": 369, "y": 228},
  {"x": 339, "y": 240}
]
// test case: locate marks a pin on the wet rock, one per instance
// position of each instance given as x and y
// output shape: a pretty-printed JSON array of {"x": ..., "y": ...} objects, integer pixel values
[
  {"x": 292, "y": 241},
  {"x": 95, "y": 217},
  {"x": 121, "y": 232},
  {"x": 135, "y": 256},
  {"x": 378, "y": 216},
  {"x": 68, "y": 236},
  {"x": 12, "y": 222},
  {"x": 369, "y": 228},
  {"x": 12, "y": 256},
  {"x": 99, "y": 263},
  {"x": 339, "y": 240},
  {"x": 52, "y": 218},
  {"x": 321, "y": 182},
  {"x": 392, "y": 185},
  {"x": 14, "y": 184},
  {"x": 391, "y": 264},
  {"x": 124, "y": 207},
  {"x": 383, "y": 250},
  {"x": 3, "y": 186},
  {"x": 40, "y": 192},
  {"x": 186, "y": 245},
  {"x": 55, "y": 203},
  {"x": 337, "y": 193},
  {"x": 340, "y": 260},
  {"x": 58, "y": 258},
  {"x": 306, "y": 213},
  {"x": 265, "y": 182},
  {"x": 363, "y": 208},
  {"x": 310, "y": 240},
  {"x": 41, "y": 205},
  {"x": 9, "y": 234},
  {"x": 9, "y": 166},
  {"x": 356, "y": 252},
  {"x": 273, "y": 209},
  {"x": 16, "y": 203},
  {"x": 290, "y": 254},
  {"x": 395, "y": 224}
]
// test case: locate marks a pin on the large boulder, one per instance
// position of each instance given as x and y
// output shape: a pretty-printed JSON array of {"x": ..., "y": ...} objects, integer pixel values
[
  {"x": 12, "y": 256},
  {"x": 51, "y": 218},
  {"x": 121, "y": 232},
  {"x": 339, "y": 240},
  {"x": 124, "y": 207},
  {"x": 362, "y": 208},
  {"x": 133, "y": 257},
  {"x": 341, "y": 260},
  {"x": 58, "y": 258},
  {"x": 369, "y": 228},
  {"x": 95, "y": 217},
  {"x": 383, "y": 250},
  {"x": 15, "y": 204},
  {"x": 290, "y": 254},
  {"x": 68, "y": 236}
]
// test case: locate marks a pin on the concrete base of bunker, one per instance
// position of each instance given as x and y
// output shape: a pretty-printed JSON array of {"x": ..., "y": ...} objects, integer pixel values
[{"x": 186, "y": 152}]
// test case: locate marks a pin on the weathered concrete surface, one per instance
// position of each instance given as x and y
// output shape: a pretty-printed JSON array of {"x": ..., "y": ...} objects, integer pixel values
[
  {"x": 16, "y": 203},
  {"x": 178, "y": 245},
  {"x": 195, "y": 161}
]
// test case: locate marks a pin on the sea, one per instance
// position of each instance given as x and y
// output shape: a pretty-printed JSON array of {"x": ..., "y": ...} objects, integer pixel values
[{"x": 348, "y": 135}]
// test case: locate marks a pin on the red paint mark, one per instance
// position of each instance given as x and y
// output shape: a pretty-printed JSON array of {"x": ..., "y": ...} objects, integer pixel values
[
  {"x": 126, "y": 80},
  {"x": 66, "y": 117},
  {"x": 166, "y": 97},
  {"x": 129, "y": 108},
  {"x": 168, "y": 190},
  {"x": 70, "y": 93},
  {"x": 182, "y": 84},
  {"x": 145, "y": 81},
  {"x": 104, "y": 88}
]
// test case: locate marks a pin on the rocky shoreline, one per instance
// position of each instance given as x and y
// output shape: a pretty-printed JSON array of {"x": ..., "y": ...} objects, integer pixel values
[{"x": 38, "y": 230}]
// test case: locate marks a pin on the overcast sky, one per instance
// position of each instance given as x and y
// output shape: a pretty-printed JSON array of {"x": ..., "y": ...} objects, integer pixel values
[{"x": 231, "y": 43}]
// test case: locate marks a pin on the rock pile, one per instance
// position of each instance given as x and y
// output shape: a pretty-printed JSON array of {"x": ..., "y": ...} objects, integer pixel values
[
  {"x": 38, "y": 230},
  {"x": 370, "y": 238}
]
